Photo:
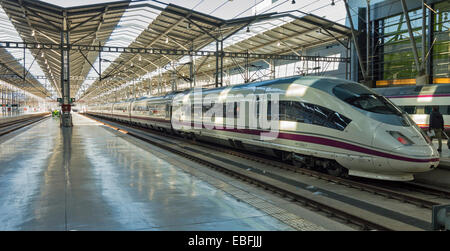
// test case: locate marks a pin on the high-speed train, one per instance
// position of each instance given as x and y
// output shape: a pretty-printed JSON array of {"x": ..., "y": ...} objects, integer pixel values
[
  {"x": 335, "y": 125},
  {"x": 418, "y": 101}
]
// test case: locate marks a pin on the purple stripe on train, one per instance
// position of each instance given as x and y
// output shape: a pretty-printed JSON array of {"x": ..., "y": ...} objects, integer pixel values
[{"x": 317, "y": 140}]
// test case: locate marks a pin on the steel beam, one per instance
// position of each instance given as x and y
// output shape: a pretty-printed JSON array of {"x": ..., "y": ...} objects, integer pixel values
[
  {"x": 411, "y": 36},
  {"x": 173, "y": 52},
  {"x": 358, "y": 52}
]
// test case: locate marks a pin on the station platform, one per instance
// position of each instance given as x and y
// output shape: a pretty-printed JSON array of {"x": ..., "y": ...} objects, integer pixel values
[
  {"x": 91, "y": 178},
  {"x": 441, "y": 175},
  {"x": 445, "y": 154}
]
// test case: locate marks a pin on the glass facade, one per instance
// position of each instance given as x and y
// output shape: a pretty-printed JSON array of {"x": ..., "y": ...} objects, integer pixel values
[
  {"x": 398, "y": 59},
  {"x": 441, "y": 48},
  {"x": 393, "y": 61}
]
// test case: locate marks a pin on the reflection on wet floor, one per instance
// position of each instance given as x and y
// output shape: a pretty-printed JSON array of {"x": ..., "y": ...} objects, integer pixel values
[{"x": 88, "y": 178}]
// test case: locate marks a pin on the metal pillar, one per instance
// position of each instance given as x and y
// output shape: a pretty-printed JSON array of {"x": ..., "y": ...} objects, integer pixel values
[
  {"x": 424, "y": 77},
  {"x": 424, "y": 35},
  {"x": 66, "y": 116},
  {"x": 411, "y": 36},
  {"x": 429, "y": 57},
  {"x": 347, "y": 63},
  {"x": 150, "y": 86},
  {"x": 247, "y": 70},
  {"x": 272, "y": 69},
  {"x": 361, "y": 64},
  {"x": 219, "y": 63},
  {"x": 159, "y": 81},
  {"x": 191, "y": 67},
  {"x": 368, "y": 33}
]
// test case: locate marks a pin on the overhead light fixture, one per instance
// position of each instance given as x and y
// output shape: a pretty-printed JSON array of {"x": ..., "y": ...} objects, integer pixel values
[
  {"x": 332, "y": 3},
  {"x": 167, "y": 40},
  {"x": 33, "y": 33},
  {"x": 42, "y": 55},
  {"x": 293, "y": 1},
  {"x": 278, "y": 44},
  {"x": 248, "y": 29},
  {"x": 140, "y": 58}
]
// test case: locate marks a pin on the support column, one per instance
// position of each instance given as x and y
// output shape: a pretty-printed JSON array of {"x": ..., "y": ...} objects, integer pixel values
[
  {"x": 272, "y": 69},
  {"x": 424, "y": 77},
  {"x": 355, "y": 43},
  {"x": 217, "y": 64},
  {"x": 149, "y": 92},
  {"x": 368, "y": 34},
  {"x": 66, "y": 116},
  {"x": 159, "y": 81},
  {"x": 221, "y": 63},
  {"x": 411, "y": 36},
  {"x": 191, "y": 66},
  {"x": 429, "y": 59}
]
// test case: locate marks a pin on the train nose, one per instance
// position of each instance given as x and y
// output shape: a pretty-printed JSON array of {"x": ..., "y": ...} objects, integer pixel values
[{"x": 415, "y": 159}]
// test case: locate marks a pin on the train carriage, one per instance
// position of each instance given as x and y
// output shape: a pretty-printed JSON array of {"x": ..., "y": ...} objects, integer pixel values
[
  {"x": 332, "y": 124},
  {"x": 418, "y": 101}
]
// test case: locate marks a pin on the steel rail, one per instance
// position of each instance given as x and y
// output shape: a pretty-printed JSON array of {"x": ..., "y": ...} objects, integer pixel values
[{"x": 12, "y": 126}]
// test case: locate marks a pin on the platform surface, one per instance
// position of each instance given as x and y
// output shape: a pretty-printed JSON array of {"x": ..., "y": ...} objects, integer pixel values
[
  {"x": 445, "y": 154},
  {"x": 89, "y": 178}
]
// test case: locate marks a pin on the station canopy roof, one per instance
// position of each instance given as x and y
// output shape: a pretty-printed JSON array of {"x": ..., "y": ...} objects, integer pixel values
[{"x": 141, "y": 24}]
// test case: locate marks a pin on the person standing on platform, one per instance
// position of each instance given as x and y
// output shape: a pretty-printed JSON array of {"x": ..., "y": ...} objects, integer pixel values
[{"x": 437, "y": 124}]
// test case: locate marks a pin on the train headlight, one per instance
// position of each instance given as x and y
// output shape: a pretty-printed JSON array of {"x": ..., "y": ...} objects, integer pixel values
[{"x": 401, "y": 138}]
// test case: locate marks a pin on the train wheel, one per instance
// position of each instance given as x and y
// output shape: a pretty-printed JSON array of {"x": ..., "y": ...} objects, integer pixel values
[
  {"x": 336, "y": 170},
  {"x": 301, "y": 161}
]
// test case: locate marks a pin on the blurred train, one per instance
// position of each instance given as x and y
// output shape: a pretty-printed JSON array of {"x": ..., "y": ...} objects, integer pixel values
[
  {"x": 418, "y": 101},
  {"x": 331, "y": 124}
]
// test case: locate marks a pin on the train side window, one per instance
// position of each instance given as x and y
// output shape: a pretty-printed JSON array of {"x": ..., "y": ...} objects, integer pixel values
[
  {"x": 338, "y": 121},
  {"x": 307, "y": 112},
  {"x": 312, "y": 114},
  {"x": 428, "y": 109},
  {"x": 420, "y": 110},
  {"x": 444, "y": 109},
  {"x": 299, "y": 112},
  {"x": 329, "y": 118},
  {"x": 321, "y": 115},
  {"x": 409, "y": 109},
  {"x": 282, "y": 110},
  {"x": 229, "y": 109},
  {"x": 167, "y": 111},
  {"x": 207, "y": 107}
]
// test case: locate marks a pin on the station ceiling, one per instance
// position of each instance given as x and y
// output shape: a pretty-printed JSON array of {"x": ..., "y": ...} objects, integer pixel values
[{"x": 148, "y": 24}]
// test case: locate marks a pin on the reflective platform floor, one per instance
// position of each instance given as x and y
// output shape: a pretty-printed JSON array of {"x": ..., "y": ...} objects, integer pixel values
[{"x": 91, "y": 178}]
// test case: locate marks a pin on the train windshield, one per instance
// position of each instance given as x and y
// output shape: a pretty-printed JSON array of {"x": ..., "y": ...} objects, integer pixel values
[
  {"x": 377, "y": 106},
  {"x": 365, "y": 99}
]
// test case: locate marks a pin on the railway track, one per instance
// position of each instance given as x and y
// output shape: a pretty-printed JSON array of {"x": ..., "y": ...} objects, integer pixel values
[
  {"x": 12, "y": 126},
  {"x": 276, "y": 186}
]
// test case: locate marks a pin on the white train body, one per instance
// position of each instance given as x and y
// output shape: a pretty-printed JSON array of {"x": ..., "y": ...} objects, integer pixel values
[
  {"x": 317, "y": 127},
  {"x": 418, "y": 101}
]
